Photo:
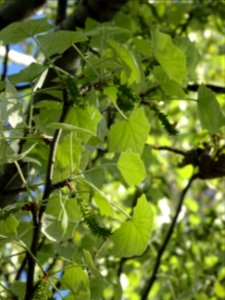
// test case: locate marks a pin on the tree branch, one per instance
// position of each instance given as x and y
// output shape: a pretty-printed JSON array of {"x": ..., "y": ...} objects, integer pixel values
[
  {"x": 69, "y": 59},
  {"x": 38, "y": 214},
  {"x": 167, "y": 148},
  {"x": 5, "y": 63},
  {"x": 214, "y": 88},
  {"x": 151, "y": 280},
  {"x": 18, "y": 10},
  {"x": 99, "y": 10},
  {"x": 61, "y": 11}
]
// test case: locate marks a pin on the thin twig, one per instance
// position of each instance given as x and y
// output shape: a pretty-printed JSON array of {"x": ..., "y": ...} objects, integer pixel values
[
  {"x": 151, "y": 280},
  {"x": 21, "y": 268}
]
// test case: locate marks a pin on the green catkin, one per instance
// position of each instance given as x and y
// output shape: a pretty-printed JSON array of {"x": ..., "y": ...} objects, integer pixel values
[
  {"x": 42, "y": 291},
  {"x": 164, "y": 120},
  {"x": 73, "y": 92},
  {"x": 91, "y": 222},
  {"x": 126, "y": 98}
]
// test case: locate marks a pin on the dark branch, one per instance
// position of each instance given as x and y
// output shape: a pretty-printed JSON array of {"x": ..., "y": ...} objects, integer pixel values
[
  {"x": 167, "y": 148},
  {"x": 214, "y": 88},
  {"x": 18, "y": 10},
  {"x": 37, "y": 215},
  {"x": 30, "y": 257},
  {"x": 5, "y": 63},
  {"x": 61, "y": 11},
  {"x": 151, "y": 280}
]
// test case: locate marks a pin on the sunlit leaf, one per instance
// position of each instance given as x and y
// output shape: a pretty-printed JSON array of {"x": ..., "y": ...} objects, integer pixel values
[
  {"x": 133, "y": 73},
  {"x": 192, "y": 205},
  {"x": 132, "y": 237},
  {"x": 171, "y": 58},
  {"x": 132, "y": 168},
  {"x": 103, "y": 204},
  {"x": 219, "y": 290},
  {"x": 76, "y": 280},
  {"x": 86, "y": 119},
  {"x": 11, "y": 107},
  {"x": 169, "y": 86},
  {"x": 131, "y": 134},
  {"x": 111, "y": 92},
  {"x": 210, "y": 260}
]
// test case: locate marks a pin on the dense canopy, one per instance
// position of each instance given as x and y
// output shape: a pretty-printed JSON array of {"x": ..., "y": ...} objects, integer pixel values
[{"x": 112, "y": 149}]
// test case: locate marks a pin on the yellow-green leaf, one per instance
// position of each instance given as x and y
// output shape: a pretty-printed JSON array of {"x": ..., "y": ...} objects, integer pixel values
[
  {"x": 132, "y": 74},
  {"x": 170, "y": 57},
  {"x": 132, "y": 168},
  {"x": 133, "y": 236},
  {"x": 131, "y": 134}
]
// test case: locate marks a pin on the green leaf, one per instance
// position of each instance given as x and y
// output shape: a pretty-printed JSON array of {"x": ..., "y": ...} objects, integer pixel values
[
  {"x": 90, "y": 263},
  {"x": 11, "y": 107},
  {"x": 132, "y": 237},
  {"x": 73, "y": 210},
  {"x": 29, "y": 74},
  {"x": 111, "y": 92},
  {"x": 18, "y": 289},
  {"x": 169, "y": 86},
  {"x": 209, "y": 110},
  {"x": 60, "y": 218},
  {"x": 57, "y": 42},
  {"x": 49, "y": 112},
  {"x": 144, "y": 46},
  {"x": 8, "y": 156},
  {"x": 103, "y": 204},
  {"x": 2, "y": 85},
  {"x": 191, "y": 52},
  {"x": 8, "y": 225},
  {"x": 52, "y": 228},
  {"x": 132, "y": 168},
  {"x": 68, "y": 155},
  {"x": 100, "y": 199},
  {"x": 219, "y": 290},
  {"x": 171, "y": 58},
  {"x": 76, "y": 280},
  {"x": 6, "y": 152},
  {"x": 64, "y": 218},
  {"x": 87, "y": 119},
  {"x": 131, "y": 134},
  {"x": 68, "y": 127},
  {"x": 18, "y": 31},
  {"x": 93, "y": 28},
  {"x": 132, "y": 73}
]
